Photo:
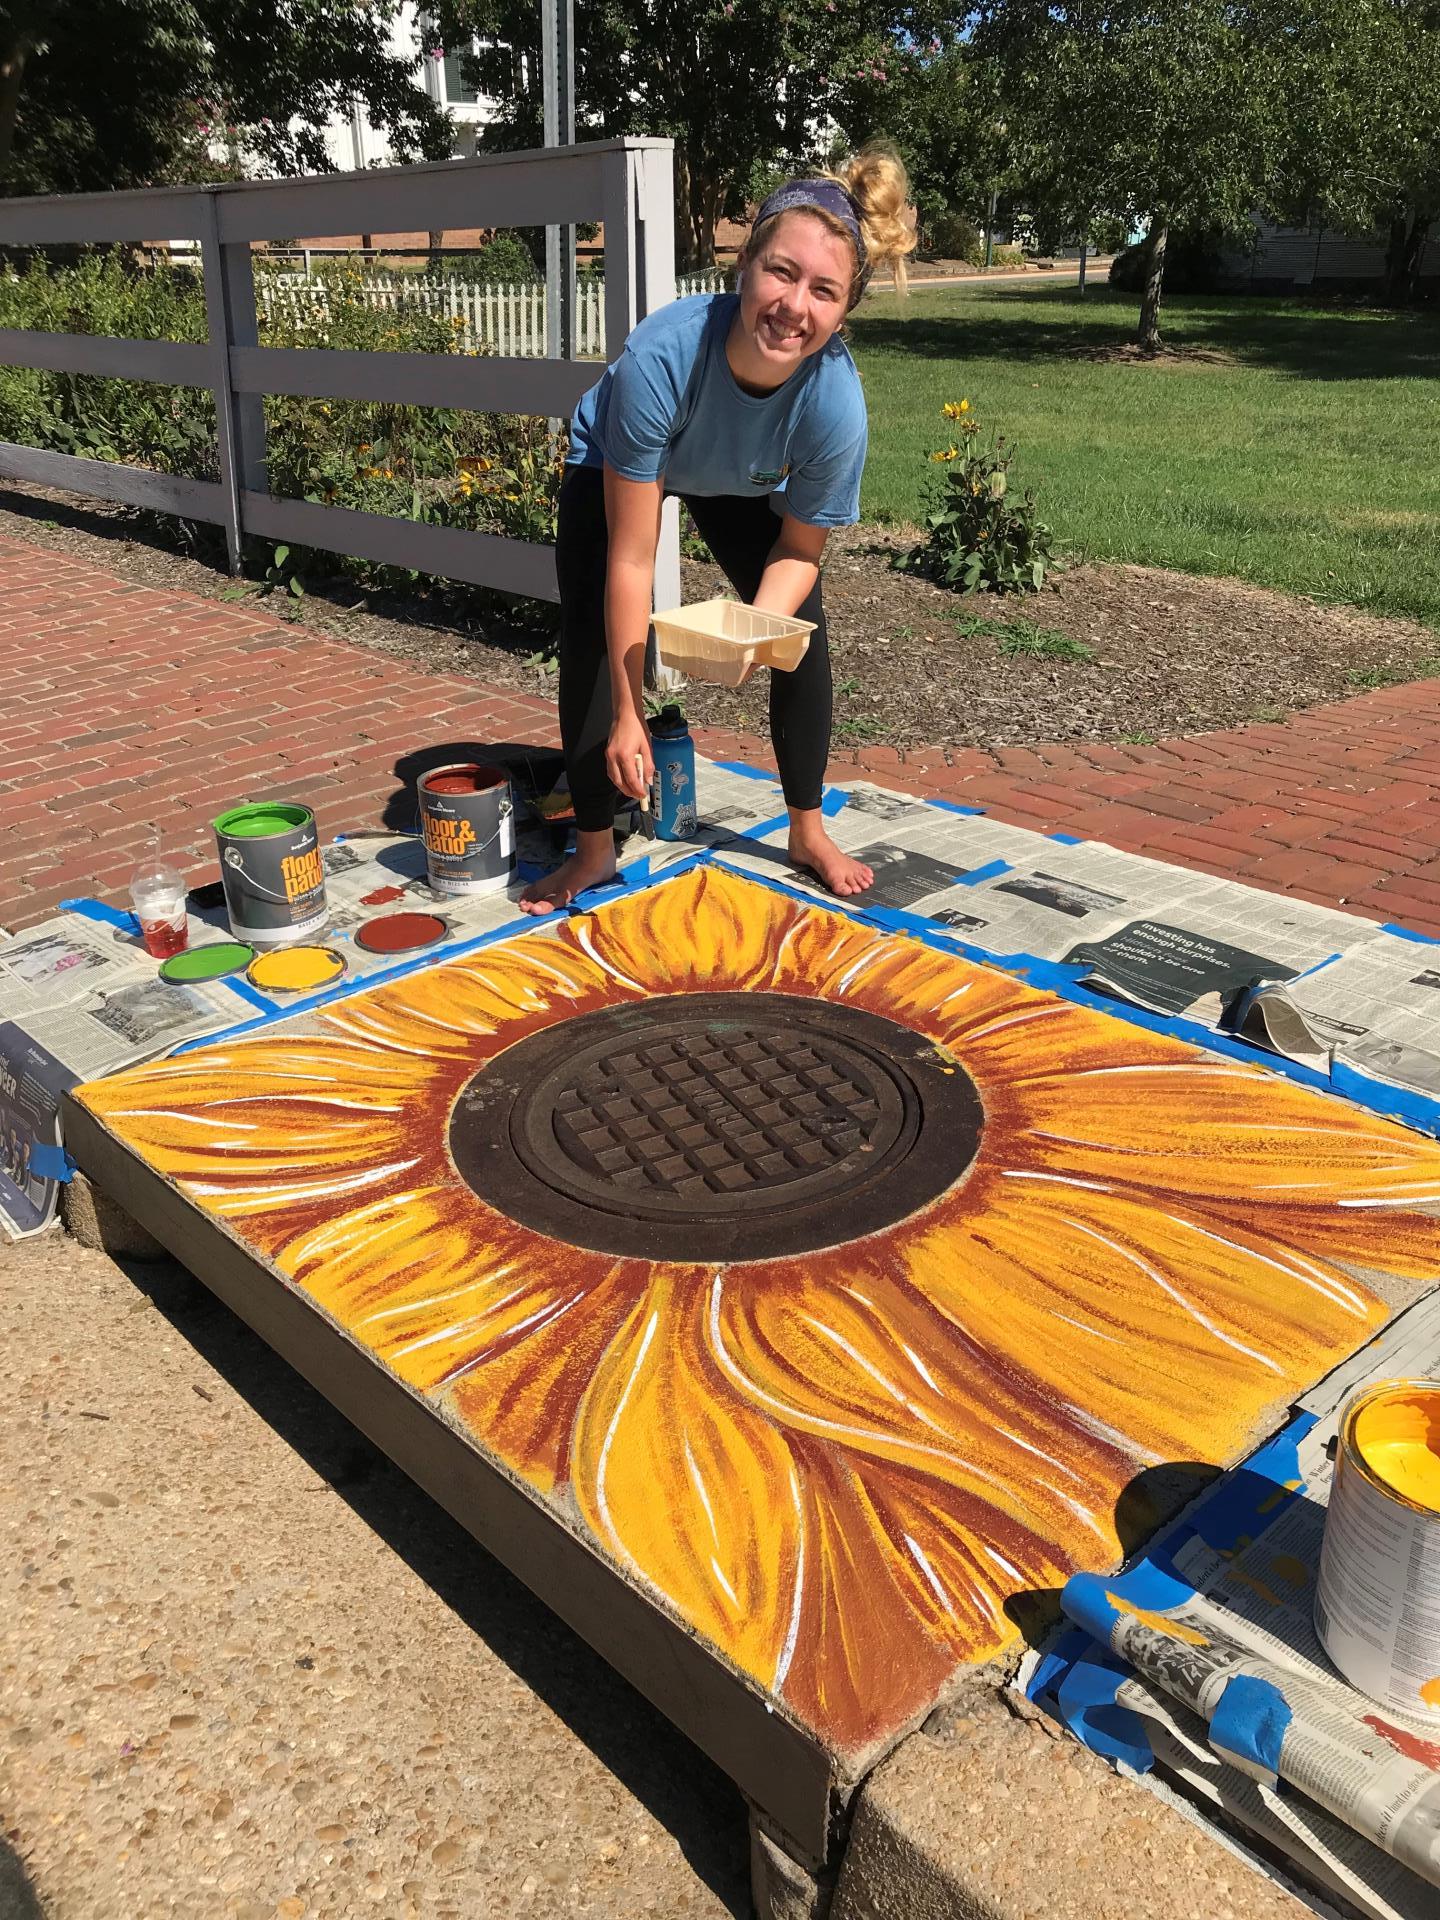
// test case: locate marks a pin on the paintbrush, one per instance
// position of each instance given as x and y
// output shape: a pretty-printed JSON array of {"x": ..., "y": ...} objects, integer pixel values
[{"x": 647, "y": 819}]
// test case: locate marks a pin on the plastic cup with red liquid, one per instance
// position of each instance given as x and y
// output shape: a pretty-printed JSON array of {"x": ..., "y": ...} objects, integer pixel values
[{"x": 158, "y": 894}]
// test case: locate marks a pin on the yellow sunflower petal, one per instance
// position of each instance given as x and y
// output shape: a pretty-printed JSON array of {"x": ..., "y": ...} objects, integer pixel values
[
  {"x": 269, "y": 1130},
  {"x": 521, "y": 1395},
  {"x": 470, "y": 1006},
  {"x": 864, "y": 1662},
  {"x": 1104, "y": 1298},
  {"x": 434, "y": 1282},
  {"x": 835, "y": 1349},
  {"x": 700, "y": 933},
  {"x": 688, "y": 1483},
  {"x": 1219, "y": 1129}
]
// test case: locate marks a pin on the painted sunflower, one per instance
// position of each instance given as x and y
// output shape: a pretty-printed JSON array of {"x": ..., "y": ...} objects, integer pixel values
[{"x": 837, "y": 1467}]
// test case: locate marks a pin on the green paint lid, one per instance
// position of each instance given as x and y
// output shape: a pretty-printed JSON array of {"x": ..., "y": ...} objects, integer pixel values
[
  {"x": 261, "y": 820},
  {"x": 210, "y": 962}
]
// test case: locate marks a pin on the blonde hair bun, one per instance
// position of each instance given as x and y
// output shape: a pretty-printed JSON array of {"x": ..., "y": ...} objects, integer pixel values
[{"x": 876, "y": 180}]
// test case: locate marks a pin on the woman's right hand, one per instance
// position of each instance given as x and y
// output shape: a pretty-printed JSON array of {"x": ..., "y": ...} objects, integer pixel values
[{"x": 628, "y": 759}]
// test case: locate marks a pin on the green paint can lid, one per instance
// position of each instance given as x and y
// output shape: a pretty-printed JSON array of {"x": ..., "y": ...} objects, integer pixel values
[
  {"x": 261, "y": 820},
  {"x": 211, "y": 962}
]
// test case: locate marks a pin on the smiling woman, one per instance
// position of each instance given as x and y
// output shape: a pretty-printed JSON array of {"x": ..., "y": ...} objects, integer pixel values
[{"x": 747, "y": 406}]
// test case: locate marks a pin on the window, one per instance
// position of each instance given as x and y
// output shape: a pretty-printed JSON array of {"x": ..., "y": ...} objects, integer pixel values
[{"x": 458, "y": 91}]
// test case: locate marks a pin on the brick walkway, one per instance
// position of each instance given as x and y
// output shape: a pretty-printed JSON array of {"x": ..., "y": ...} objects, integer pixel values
[{"x": 132, "y": 708}]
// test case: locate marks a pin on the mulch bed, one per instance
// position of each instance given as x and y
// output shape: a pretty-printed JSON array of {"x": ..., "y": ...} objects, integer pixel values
[{"x": 1172, "y": 653}]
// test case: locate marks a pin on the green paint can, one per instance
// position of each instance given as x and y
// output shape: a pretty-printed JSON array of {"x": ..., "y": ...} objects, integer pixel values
[{"x": 273, "y": 874}]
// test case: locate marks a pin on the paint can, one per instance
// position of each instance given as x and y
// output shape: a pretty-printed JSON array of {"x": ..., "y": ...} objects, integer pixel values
[
  {"x": 272, "y": 871},
  {"x": 1377, "y": 1602},
  {"x": 467, "y": 819}
]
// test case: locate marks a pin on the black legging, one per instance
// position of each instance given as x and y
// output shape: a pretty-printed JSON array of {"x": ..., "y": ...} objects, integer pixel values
[{"x": 740, "y": 533}]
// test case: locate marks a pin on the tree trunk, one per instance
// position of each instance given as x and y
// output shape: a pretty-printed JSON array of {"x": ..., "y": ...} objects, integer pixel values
[
  {"x": 12, "y": 71},
  {"x": 1408, "y": 236},
  {"x": 1147, "y": 336}
]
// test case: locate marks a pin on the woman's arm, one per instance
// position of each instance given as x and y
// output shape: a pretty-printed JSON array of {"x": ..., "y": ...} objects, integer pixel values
[
  {"x": 632, "y": 514},
  {"x": 793, "y": 567}
]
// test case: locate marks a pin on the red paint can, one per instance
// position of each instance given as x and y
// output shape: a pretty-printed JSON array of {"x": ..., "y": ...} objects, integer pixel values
[{"x": 467, "y": 819}]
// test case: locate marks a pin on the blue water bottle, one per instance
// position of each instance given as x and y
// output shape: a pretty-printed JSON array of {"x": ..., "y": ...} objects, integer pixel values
[{"x": 672, "y": 797}]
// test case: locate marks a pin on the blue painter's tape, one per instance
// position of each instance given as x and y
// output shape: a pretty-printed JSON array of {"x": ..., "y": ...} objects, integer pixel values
[
  {"x": 1409, "y": 933},
  {"x": 1089, "y": 1598},
  {"x": 763, "y": 827},
  {"x": 1067, "y": 839},
  {"x": 833, "y": 801},
  {"x": 953, "y": 806},
  {"x": 51, "y": 1163},
  {"x": 103, "y": 915},
  {"x": 1248, "y": 1724},
  {"x": 1413, "y": 1109},
  {"x": 1077, "y": 1683},
  {"x": 251, "y": 995},
  {"x": 987, "y": 872}
]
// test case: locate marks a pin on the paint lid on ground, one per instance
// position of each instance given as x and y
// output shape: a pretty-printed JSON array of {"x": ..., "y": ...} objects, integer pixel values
[
  {"x": 295, "y": 969},
  {"x": 211, "y": 962},
  {"x": 400, "y": 932}
]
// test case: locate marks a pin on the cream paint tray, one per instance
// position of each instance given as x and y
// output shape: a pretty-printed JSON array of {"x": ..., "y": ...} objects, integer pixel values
[{"x": 721, "y": 640}]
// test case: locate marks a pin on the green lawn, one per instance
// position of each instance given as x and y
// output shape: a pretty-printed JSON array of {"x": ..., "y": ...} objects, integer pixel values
[{"x": 1308, "y": 460}]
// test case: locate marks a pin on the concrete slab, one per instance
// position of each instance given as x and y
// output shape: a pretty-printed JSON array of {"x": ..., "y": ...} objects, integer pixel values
[
  {"x": 793, "y": 1493},
  {"x": 248, "y": 1672},
  {"x": 997, "y": 1818}
]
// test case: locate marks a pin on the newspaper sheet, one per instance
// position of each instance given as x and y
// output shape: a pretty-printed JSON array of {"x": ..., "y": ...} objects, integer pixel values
[
  {"x": 91, "y": 996},
  {"x": 1305, "y": 981}
]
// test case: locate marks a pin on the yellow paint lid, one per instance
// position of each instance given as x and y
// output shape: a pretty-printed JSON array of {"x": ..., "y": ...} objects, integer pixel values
[{"x": 295, "y": 969}]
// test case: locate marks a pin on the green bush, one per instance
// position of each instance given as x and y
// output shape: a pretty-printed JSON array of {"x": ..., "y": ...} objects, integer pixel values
[
  {"x": 978, "y": 534},
  {"x": 505, "y": 257},
  {"x": 492, "y": 473},
  {"x": 950, "y": 236},
  {"x": 171, "y": 429}
]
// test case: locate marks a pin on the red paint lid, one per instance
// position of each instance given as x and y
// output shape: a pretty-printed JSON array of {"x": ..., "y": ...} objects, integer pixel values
[{"x": 400, "y": 932}]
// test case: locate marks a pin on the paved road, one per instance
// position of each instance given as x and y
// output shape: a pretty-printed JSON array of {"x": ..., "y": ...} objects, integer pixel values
[{"x": 248, "y": 1672}]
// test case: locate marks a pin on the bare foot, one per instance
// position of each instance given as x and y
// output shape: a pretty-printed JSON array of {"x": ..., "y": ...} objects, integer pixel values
[
  {"x": 812, "y": 847},
  {"x": 588, "y": 866}
]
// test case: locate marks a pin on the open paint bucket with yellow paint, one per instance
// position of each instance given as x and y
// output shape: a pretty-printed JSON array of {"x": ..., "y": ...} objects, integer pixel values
[{"x": 1377, "y": 1604}]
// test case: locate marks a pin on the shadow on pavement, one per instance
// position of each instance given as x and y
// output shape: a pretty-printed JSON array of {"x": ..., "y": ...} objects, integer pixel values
[{"x": 669, "y": 1776}]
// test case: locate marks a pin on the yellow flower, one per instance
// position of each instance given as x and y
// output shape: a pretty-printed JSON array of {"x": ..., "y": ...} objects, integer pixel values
[
  {"x": 389, "y": 473},
  {"x": 950, "y": 453},
  {"x": 954, "y": 410},
  {"x": 836, "y": 1467}
]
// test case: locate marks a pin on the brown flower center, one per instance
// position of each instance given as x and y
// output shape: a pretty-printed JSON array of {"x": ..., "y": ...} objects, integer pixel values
[{"x": 717, "y": 1126}]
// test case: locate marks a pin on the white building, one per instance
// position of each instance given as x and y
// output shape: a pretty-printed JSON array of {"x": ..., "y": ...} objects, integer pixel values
[{"x": 350, "y": 140}]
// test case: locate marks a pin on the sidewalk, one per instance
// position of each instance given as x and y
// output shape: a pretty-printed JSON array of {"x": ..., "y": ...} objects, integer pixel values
[{"x": 133, "y": 709}]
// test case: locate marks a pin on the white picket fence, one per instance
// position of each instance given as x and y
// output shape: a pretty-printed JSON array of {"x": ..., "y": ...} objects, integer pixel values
[{"x": 506, "y": 317}]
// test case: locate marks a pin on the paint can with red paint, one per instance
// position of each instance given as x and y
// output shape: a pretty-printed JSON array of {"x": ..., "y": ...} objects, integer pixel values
[{"x": 467, "y": 819}]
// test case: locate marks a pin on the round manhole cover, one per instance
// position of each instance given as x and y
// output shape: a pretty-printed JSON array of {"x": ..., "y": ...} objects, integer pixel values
[{"x": 716, "y": 1127}]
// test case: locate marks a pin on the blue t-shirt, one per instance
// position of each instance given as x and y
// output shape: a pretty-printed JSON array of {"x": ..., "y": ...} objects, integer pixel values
[{"x": 670, "y": 405}]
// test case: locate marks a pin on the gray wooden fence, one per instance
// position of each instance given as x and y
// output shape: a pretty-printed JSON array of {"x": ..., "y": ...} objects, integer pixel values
[{"x": 625, "y": 183}]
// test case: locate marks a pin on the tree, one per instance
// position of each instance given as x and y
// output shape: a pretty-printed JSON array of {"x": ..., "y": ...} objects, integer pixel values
[
  {"x": 740, "y": 85},
  {"x": 1365, "y": 85},
  {"x": 1173, "y": 112},
  {"x": 266, "y": 73},
  {"x": 940, "y": 103}
]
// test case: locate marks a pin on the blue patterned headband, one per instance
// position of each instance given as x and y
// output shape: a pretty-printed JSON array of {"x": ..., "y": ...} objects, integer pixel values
[{"x": 828, "y": 195}]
